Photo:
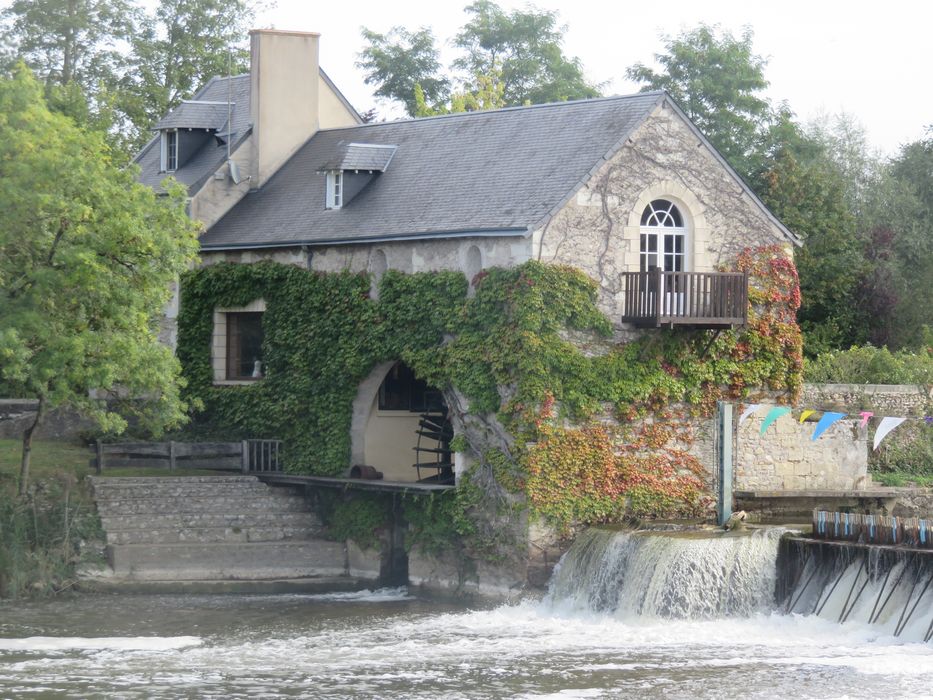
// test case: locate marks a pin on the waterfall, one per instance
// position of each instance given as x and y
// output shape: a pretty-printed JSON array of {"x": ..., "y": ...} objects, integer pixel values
[
  {"x": 668, "y": 574},
  {"x": 879, "y": 585}
]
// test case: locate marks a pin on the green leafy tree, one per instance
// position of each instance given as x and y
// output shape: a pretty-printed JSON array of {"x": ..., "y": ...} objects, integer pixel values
[
  {"x": 526, "y": 47},
  {"x": 87, "y": 257},
  {"x": 178, "y": 49},
  {"x": 511, "y": 59},
  {"x": 72, "y": 46},
  {"x": 399, "y": 61},
  {"x": 487, "y": 94},
  {"x": 717, "y": 80},
  {"x": 801, "y": 183}
]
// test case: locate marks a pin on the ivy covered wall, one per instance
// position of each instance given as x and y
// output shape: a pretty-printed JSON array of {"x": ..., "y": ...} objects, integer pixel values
[{"x": 556, "y": 416}]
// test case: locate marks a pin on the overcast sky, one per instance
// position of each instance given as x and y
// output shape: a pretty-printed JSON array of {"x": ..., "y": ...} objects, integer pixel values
[{"x": 872, "y": 61}]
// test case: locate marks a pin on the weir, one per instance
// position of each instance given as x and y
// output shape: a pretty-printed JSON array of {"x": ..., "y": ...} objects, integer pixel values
[{"x": 707, "y": 574}]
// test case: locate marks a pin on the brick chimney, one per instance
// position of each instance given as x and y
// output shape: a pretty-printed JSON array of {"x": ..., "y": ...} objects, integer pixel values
[{"x": 284, "y": 77}]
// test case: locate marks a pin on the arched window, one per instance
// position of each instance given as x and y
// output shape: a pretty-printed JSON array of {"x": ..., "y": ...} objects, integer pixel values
[
  {"x": 473, "y": 263},
  {"x": 663, "y": 237}
]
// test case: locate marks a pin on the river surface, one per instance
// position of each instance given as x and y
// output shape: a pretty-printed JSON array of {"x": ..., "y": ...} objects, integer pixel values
[{"x": 385, "y": 644}]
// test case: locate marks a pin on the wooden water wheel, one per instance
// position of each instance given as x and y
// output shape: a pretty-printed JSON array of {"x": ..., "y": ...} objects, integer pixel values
[{"x": 432, "y": 452}]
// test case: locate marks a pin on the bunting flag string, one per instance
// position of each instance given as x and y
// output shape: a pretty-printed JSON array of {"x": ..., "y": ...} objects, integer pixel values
[{"x": 828, "y": 419}]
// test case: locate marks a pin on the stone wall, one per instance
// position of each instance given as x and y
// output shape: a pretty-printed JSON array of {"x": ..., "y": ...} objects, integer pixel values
[
  {"x": 61, "y": 424},
  {"x": 598, "y": 230},
  {"x": 786, "y": 458}
]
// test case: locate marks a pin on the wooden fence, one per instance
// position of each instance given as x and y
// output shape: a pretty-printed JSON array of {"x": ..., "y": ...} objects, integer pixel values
[
  {"x": 873, "y": 529},
  {"x": 245, "y": 456}
]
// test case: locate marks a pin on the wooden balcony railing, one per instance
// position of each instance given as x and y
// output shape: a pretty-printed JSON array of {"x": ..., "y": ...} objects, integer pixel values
[{"x": 701, "y": 299}]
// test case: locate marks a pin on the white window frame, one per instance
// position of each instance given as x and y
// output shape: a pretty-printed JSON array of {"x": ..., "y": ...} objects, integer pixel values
[
  {"x": 662, "y": 234},
  {"x": 334, "y": 193},
  {"x": 219, "y": 343},
  {"x": 167, "y": 156}
]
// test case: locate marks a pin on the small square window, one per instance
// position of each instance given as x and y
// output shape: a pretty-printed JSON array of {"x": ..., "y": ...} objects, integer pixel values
[{"x": 244, "y": 346}]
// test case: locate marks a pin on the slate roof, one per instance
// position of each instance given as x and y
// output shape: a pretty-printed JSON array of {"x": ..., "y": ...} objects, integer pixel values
[
  {"x": 191, "y": 114},
  {"x": 196, "y": 170},
  {"x": 212, "y": 155},
  {"x": 494, "y": 173},
  {"x": 362, "y": 156}
]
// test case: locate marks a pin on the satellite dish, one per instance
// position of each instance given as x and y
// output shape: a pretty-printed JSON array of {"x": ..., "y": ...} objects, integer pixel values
[{"x": 234, "y": 172}]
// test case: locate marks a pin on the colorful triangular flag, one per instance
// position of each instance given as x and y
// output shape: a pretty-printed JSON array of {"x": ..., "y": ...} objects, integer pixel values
[
  {"x": 806, "y": 414},
  {"x": 865, "y": 416},
  {"x": 749, "y": 410},
  {"x": 773, "y": 415},
  {"x": 827, "y": 420},
  {"x": 886, "y": 426}
]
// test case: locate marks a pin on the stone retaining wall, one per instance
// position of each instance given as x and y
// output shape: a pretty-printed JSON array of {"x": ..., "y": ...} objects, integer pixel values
[
  {"x": 786, "y": 457},
  {"x": 60, "y": 424}
]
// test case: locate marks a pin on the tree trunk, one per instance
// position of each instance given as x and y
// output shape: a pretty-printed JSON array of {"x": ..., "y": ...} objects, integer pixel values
[{"x": 27, "y": 447}]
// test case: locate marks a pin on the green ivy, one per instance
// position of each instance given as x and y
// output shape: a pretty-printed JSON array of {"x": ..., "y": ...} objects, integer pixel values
[{"x": 506, "y": 349}]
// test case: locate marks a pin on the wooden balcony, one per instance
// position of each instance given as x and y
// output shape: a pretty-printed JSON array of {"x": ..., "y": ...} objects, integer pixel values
[{"x": 655, "y": 299}]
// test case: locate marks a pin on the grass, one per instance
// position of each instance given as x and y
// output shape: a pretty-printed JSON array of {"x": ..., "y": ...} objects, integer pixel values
[
  {"x": 900, "y": 478},
  {"x": 54, "y": 458},
  {"x": 48, "y": 534}
]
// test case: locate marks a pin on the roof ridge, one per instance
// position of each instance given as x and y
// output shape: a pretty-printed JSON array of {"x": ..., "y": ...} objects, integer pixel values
[{"x": 543, "y": 105}]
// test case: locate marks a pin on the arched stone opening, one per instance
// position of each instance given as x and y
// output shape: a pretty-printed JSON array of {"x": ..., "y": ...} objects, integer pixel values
[{"x": 399, "y": 422}]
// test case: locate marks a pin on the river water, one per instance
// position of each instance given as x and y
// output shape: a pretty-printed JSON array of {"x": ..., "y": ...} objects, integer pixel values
[{"x": 387, "y": 644}]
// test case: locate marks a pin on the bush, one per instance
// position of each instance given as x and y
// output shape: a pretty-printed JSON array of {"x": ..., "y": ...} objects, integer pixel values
[{"x": 871, "y": 365}]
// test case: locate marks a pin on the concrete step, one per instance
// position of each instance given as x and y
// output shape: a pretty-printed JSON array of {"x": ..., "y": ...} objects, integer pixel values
[
  {"x": 184, "y": 490},
  {"x": 129, "y": 480},
  {"x": 162, "y": 521},
  {"x": 221, "y": 560},
  {"x": 203, "y": 504},
  {"x": 202, "y": 535},
  {"x": 273, "y": 586}
]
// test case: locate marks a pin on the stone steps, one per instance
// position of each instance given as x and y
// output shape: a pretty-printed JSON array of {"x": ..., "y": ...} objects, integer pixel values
[
  {"x": 228, "y": 560},
  {"x": 202, "y": 535},
  {"x": 162, "y": 521},
  {"x": 109, "y": 491},
  {"x": 212, "y": 528},
  {"x": 202, "y": 504}
]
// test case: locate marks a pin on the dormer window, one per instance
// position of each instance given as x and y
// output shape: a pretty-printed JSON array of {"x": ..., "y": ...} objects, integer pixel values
[
  {"x": 334, "y": 189},
  {"x": 170, "y": 150}
]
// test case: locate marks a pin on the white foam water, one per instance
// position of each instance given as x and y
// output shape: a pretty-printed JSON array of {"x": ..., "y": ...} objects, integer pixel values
[
  {"x": 657, "y": 615},
  {"x": 669, "y": 574},
  {"x": 33, "y": 644}
]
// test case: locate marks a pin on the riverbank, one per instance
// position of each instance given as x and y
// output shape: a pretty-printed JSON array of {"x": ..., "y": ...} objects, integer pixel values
[{"x": 48, "y": 533}]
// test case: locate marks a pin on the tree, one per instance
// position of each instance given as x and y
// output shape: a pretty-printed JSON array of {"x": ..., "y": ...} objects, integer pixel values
[
  {"x": 517, "y": 54},
  {"x": 802, "y": 185},
  {"x": 398, "y": 61},
  {"x": 87, "y": 257},
  {"x": 526, "y": 48},
  {"x": 717, "y": 80},
  {"x": 72, "y": 46},
  {"x": 178, "y": 49},
  {"x": 487, "y": 94}
]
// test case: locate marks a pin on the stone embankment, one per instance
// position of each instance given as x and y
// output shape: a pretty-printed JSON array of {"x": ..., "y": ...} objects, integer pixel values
[{"x": 208, "y": 532}]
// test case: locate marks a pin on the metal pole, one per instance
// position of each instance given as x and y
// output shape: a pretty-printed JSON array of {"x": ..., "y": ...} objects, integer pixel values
[{"x": 724, "y": 509}]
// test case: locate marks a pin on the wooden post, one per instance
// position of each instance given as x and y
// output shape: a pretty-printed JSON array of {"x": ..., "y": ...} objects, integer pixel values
[
  {"x": 100, "y": 457},
  {"x": 245, "y": 456},
  {"x": 171, "y": 455}
]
